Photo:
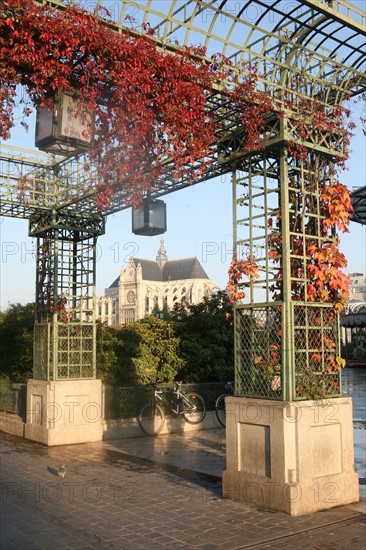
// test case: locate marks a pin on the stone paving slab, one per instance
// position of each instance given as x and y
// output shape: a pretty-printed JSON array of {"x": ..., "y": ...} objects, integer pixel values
[
  {"x": 204, "y": 451},
  {"x": 201, "y": 451},
  {"x": 109, "y": 501}
]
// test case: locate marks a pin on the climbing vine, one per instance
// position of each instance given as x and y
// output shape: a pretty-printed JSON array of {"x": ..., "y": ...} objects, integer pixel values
[
  {"x": 319, "y": 207},
  {"x": 246, "y": 267},
  {"x": 155, "y": 105},
  {"x": 150, "y": 104}
]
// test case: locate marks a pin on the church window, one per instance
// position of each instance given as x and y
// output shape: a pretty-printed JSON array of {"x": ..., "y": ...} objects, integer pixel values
[
  {"x": 131, "y": 297},
  {"x": 129, "y": 315}
]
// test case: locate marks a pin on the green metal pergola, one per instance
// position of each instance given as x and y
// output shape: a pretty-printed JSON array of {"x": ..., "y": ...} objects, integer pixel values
[{"x": 303, "y": 49}]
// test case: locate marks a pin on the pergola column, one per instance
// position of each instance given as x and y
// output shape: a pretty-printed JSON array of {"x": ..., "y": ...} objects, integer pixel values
[
  {"x": 289, "y": 431},
  {"x": 64, "y": 397}
]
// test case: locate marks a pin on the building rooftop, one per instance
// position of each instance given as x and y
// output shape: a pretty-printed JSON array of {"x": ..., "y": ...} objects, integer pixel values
[{"x": 163, "y": 269}]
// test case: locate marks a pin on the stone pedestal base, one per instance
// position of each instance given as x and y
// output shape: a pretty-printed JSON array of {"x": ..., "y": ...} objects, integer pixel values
[
  {"x": 64, "y": 412},
  {"x": 297, "y": 457}
]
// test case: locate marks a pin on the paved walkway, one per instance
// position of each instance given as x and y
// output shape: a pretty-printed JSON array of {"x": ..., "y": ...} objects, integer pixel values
[
  {"x": 159, "y": 493},
  {"x": 147, "y": 493}
]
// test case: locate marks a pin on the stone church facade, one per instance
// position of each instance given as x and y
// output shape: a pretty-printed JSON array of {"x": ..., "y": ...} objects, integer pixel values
[{"x": 146, "y": 284}]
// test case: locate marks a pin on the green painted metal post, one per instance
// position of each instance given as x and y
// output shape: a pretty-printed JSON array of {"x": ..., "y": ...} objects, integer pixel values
[{"x": 287, "y": 325}]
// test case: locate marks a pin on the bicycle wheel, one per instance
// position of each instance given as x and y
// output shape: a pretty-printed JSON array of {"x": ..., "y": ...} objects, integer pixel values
[
  {"x": 194, "y": 408},
  {"x": 220, "y": 410},
  {"x": 151, "y": 419}
]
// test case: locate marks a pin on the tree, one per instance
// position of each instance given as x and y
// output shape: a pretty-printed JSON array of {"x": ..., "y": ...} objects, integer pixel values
[
  {"x": 146, "y": 351},
  {"x": 197, "y": 345},
  {"x": 106, "y": 357},
  {"x": 206, "y": 339},
  {"x": 16, "y": 342},
  {"x": 166, "y": 313}
]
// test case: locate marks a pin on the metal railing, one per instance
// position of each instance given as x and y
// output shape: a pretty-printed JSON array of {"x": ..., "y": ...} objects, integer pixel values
[
  {"x": 13, "y": 398},
  {"x": 126, "y": 402},
  {"x": 118, "y": 402}
]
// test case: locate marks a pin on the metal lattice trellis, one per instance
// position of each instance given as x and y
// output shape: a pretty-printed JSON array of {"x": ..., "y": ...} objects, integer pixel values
[
  {"x": 287, "y": 346},
  {"x": 266, "y": 369},
  {"x": 306, "y": 49},
  {"x": 65, "y": 294}
]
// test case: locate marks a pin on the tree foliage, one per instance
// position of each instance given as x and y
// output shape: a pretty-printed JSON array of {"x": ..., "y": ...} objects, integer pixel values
[
  {"x": 206, "y": 339},
  {"x": 16, "y": 342},
  {"x": 106, "y": 355},
  {"x": 146, "y": 352},
  {"x": 195, "y": 344}
]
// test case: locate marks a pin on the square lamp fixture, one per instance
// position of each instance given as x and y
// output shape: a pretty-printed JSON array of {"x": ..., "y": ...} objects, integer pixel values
[
  {"x": 66, "y": 129},
  {"x": 149, "y": 218}
]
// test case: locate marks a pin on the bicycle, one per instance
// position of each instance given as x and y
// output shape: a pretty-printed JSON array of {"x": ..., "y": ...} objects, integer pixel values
[
  {"x": 152, "y": 417},
  {"x": 220, "y": 409}
]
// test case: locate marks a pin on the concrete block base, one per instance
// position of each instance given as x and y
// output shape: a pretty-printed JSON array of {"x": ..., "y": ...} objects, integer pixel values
[
  {"x": 295, "y": 457},
  {"x": 129, "y": 427},
  {"x": 64, "y": 412},
  {"x": 11, "y": 424}
]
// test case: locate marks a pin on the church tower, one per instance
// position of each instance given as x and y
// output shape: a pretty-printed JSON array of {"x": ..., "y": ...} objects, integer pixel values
[{"x": 162, "y": 256}]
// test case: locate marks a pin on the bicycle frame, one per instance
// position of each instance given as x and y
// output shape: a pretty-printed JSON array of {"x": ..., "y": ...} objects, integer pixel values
[
  {"x": 191, "y": 407},
  {"x": 220, "y": 403},
  {"x": 179, "y": 398}
]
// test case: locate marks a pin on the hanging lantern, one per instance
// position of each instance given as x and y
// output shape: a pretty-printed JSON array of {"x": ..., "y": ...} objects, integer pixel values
[
  {"x": 66, "y": 129},
  {"x": 149, "y": 218}
]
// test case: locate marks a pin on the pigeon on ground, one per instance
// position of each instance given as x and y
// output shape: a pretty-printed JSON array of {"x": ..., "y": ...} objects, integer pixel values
[{"x": 61, "y": 472}]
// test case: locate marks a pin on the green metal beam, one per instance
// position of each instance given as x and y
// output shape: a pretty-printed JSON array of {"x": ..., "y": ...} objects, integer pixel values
[{"x": 342, "y": 11}]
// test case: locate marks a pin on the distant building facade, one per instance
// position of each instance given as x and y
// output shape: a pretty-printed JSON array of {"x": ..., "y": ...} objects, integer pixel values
[
  {"x": 145, "y": 285},
  {"x": 357, "y": 287},
  {"x": 353, "y": 321}
]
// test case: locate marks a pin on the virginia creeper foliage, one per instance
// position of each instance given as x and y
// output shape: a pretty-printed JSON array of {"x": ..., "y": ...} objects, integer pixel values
[
  {"x": 153, "y": 105},
  {"x": 149, "y": 103},
  {"x": 239, "y": 268},
  {"x": 315, "y": 193}
]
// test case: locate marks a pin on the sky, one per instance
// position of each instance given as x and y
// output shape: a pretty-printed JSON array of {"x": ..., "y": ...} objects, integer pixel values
[{"x": 199, "y": 221}]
